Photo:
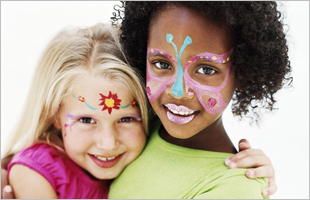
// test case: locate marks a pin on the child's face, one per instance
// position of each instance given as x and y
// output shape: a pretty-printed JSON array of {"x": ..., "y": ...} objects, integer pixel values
[
  {"x": 189, "y": 75},
  {"x": 101, "y": 127}
]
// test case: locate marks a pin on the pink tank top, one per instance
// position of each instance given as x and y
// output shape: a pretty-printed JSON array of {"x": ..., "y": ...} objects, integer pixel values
[{"x": 68, "y": 179}]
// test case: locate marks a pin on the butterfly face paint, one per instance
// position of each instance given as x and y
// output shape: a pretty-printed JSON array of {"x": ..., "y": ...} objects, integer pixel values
[
  {"x": 108, "y": 102},
  {"x": 158, "y": 80}
]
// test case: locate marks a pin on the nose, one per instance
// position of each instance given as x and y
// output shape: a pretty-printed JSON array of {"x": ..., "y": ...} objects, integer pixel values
[
  {"x": 107, "y": 139},
  {"x": 178, "y": 90}
]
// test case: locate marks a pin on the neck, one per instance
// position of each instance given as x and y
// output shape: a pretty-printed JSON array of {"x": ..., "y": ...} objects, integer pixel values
[{"x": 212, "y": 138}]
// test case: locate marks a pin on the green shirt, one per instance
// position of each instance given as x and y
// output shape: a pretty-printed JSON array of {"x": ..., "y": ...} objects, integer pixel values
[{"x": 165, "y": 170}]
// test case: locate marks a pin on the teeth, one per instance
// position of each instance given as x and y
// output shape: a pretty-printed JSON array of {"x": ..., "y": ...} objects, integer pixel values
[
  {"x": 105, "y": 158},
  {"x": 181, "y": 112}
]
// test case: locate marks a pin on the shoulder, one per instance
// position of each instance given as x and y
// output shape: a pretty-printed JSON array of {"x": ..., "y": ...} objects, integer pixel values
[
  {"x": 233, "y": 183},
  {"x": 28, "y": 183},
  {"x": 43, "y": 158}
]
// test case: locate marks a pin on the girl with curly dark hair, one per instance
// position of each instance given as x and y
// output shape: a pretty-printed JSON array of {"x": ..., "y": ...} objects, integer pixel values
[{"x": 197, "y": 56}]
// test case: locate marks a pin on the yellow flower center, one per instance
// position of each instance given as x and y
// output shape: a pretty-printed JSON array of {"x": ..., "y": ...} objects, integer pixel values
[{"x": 109, "y": 103}]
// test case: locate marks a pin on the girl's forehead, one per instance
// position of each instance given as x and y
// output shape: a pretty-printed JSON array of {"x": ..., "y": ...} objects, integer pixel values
[
  {"x": 207, "y": 36},
  {"x": 92, "y": 89}
]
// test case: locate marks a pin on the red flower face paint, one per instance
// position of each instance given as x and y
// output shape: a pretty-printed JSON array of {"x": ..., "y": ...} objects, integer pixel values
[
  {"x": 134, "y": 103},
  {"x": 81, "y": 99},
  {"x": 109, "y": 102}
]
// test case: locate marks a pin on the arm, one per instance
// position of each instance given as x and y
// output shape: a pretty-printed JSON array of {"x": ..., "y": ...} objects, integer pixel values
[
  {"x": 29, "y": 184},
  {"x": 248, "y": 157},
  {"x": 6, "y": 190},
  {"x": 234, "y": 185}
]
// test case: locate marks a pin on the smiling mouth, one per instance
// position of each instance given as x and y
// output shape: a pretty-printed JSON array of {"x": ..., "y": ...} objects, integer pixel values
[
  {"x": 105, "y": 158},
  {"x": 180, "y": 114},
  {"x": 106, "y": 161}
]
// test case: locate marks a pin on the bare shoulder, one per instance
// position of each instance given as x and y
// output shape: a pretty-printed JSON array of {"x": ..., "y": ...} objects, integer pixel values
[{"x": 29, "y": 184}]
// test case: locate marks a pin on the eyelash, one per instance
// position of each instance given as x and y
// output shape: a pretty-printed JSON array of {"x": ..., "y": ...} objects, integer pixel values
[
  {"x": 130, "y": 119},
  {"x": 92, "y": 121},
  {"x": 169, "y": 67},
  {"x": 208, "y": 68},
  {"x": 161, "y": 62}
]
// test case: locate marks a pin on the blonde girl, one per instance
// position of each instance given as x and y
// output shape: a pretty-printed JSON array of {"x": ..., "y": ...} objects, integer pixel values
[{"x": 84, "y": 121}]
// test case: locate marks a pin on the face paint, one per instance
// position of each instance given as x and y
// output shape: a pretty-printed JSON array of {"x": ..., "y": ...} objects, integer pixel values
[
  {"x": 82, "y": 99},
  {"x": 70, "y": 123},
  {"x": 177, "y": 88},
  {"x": 133, "y": 104},
  {"x": 109, "y": 102},
  {"x": 209, "y": 96},
  {"x": 157, "y": 84}
]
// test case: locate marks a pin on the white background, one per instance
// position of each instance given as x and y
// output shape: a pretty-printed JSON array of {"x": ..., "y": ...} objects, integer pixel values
[{"x": 27, "y": 27}]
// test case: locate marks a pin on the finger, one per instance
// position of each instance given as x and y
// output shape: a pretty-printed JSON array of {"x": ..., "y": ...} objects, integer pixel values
[
  {"x": 264, "y": 171},
  {"x": 249, "y": 161},
  {"x": 272, "y": 187},
  {"x": 244, "y": 144},
  {"x": 245, "y": 154},
  {"x": 8, "y": 192}
]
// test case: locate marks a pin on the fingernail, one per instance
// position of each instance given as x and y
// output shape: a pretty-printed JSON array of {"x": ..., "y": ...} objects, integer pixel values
[
  {"x": 227, "y": 161},
  {"x": 250, "y": 173},
  {"x": 265, "y": 193},
  {"x": 232, "y": 165},
  {"x": 7, "y": 189},
  {"x": 242, "y": 143}
]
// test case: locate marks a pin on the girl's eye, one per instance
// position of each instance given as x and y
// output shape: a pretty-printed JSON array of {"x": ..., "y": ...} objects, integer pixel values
[
  {"x": 162, "y": 65},
  {"x": 206, "y": 71},
  {"x": 87, "y": 120},
  {"x": 128, "y": 119}
]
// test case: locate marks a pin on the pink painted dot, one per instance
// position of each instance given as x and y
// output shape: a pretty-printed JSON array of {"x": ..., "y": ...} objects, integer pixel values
[
  {"x": 211, "y": 102},
  {"x": 148, "y": 90}
]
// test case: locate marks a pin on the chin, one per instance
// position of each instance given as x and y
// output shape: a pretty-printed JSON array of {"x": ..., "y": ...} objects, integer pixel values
[
  {"x": 107, "y": 176},
  {"x": 181, "y": 132}
]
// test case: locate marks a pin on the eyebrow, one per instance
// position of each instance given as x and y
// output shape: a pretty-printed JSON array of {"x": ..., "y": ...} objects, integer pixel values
[
  {"x": 211, "y": 57},
  {"x": 160, "y": 53},
  {"x": 75, "y": 117}
]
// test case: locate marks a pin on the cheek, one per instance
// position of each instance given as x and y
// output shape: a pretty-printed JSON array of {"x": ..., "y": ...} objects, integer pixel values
[
  {"x": 76, "y": 140},
  {"x": 229, "y": 89},
  {"x": 156, "y": 85},
  {"x": 134, "y": 139}
]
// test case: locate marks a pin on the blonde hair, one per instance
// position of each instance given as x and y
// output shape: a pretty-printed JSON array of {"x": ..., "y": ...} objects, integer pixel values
[{"x": 68, "y": 57}]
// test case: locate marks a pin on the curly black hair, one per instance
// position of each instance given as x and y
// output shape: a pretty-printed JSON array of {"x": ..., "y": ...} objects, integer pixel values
[{"x": 260, "y": 58}]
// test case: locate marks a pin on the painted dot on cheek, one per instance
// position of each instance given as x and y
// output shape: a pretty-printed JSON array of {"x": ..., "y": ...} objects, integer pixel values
[
  {"x": 148, "y": 90},
  {"x": 211, "y": 102}
]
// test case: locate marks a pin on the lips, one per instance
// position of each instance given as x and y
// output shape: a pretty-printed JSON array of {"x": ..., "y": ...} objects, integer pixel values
[
  {"x": 180, "y": 114},
  {"x": 105, "y": 161}
]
